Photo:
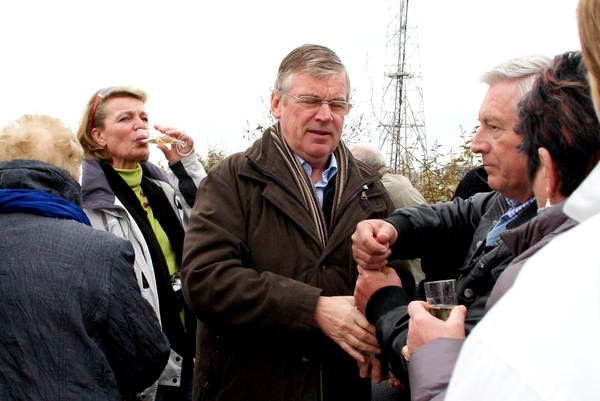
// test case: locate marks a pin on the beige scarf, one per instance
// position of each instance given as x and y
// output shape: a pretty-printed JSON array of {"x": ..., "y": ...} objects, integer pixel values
[{"x": 306, "y": 186}]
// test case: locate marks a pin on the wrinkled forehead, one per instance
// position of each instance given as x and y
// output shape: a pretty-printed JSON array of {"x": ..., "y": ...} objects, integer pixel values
[
  {"x": 501, "y": 102},
  {"x": 335, "y": 82}
]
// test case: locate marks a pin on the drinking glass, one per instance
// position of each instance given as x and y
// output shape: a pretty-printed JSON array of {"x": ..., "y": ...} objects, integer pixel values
[
  {"x": 441, "y": 297},
  {"x": 155, "y": 137}
]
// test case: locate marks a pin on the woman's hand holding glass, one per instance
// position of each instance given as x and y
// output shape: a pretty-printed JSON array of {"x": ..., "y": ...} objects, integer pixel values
[{"x": 181, "y": 144}]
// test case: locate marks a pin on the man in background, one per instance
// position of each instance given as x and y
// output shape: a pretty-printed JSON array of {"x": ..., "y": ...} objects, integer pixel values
[{"x": 398, "y": 186}]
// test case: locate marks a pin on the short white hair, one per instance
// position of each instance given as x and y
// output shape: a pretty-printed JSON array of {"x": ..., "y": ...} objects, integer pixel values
[
  {"x": 368, "y": 154},
  {"x": 523, "y": 70}
]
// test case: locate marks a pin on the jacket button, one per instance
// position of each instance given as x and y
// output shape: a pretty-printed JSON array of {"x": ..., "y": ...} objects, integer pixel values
[
  {"x": 468, "y": 293},
  {"x": 178, "y": 359},
  {"x": 174, "y": 380}
]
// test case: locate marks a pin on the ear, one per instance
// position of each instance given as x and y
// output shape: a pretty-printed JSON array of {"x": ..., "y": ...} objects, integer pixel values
[
  {"x": 275, "y": 104},
  {"x": 551, "y": 173},
  {"x": 98, "y": 137}
]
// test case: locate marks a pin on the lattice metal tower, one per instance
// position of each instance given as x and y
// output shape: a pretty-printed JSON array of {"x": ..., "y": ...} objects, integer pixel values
[{"x": 402, "y": 133}]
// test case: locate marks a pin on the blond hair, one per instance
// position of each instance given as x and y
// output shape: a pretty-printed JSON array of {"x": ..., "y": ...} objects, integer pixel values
[
  {"x": 84, "y": 132},
  {"x": 588, "y": 12},
  {"x": 44, "y": 138}
]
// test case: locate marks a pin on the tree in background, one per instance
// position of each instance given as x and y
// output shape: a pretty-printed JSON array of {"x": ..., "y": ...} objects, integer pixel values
[
  {"x": 440, "y": 174},
  {"x": 214, "y": 154}
]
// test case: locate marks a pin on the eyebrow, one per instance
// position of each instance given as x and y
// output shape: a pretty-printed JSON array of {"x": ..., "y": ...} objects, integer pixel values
[
  {"x": 493, "y": 119},
  {"x": 125, "y": 112},
  {"x": 340, "y": 98}
]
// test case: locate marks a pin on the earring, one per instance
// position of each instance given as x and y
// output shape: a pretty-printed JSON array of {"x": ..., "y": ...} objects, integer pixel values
[{"x": 548, "y": 204}]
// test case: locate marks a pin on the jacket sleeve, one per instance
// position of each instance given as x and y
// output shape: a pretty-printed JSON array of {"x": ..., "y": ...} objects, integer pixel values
[
  {"x": 447, "y": 227},
  {"x": 216, "y": 266},
  {"x": 387, "y": 310},
  {"x": 185, "y": 176},
  {"x": 431, "y": 367},
  {"x": 137, "y": 350}
]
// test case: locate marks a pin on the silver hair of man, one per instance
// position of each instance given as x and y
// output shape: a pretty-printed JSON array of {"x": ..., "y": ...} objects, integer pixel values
[
  {"x": 522, "y": 69},
  {"x": 368, "y": 154}
]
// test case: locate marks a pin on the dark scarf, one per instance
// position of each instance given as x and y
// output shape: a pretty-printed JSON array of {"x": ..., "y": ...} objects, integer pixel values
[
  {"x": 169, "y": 304},
  {"x": 42, "y": 203},
  {"x": 307, "y": 188}
]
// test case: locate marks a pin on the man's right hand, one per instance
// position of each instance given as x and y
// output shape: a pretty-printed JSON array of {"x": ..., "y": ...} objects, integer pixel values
[
  {"x": 423, "y": 327},
  {"x": 371, "y": 243},
  {"x": 338, "y": 318}
]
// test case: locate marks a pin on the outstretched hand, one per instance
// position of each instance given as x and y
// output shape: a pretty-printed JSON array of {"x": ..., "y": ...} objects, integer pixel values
[{"x": 339, "y": 320}]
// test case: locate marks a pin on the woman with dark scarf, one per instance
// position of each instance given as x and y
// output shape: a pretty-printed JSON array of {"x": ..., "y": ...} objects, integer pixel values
[
  {"x": 125, "y": 194},
  {"x": 74, "y": 326}
]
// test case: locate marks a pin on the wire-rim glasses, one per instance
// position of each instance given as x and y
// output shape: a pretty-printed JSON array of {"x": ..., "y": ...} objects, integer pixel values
[{"x": 338, "y": 107}]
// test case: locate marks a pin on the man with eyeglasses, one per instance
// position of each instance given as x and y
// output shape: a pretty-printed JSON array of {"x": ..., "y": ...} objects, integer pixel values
[{"x": 267, "y": 263}]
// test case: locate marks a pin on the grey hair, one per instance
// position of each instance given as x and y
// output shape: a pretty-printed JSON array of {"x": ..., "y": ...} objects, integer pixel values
[
  {"x": 315, "y": 60},
  {"x": 368, "y": 154},
  {"x": 523, "y": 70}
]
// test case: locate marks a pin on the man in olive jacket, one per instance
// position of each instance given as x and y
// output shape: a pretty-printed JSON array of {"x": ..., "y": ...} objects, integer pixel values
[{"x": 267, "y": 265}]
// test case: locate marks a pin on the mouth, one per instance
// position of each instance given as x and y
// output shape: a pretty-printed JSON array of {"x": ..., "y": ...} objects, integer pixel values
[
  {"x": 489, "y": 168},
  {"x": 318, "y": 132},
  {"x": 144, "y": 134}
]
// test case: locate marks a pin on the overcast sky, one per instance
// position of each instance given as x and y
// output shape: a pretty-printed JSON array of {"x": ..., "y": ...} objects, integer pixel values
[{"x": 206, "y": 65}]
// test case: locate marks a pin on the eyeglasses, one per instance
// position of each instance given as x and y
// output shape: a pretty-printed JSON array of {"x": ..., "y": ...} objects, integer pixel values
[
  {"x": 314, "y": 103},
  {"x": 99, "y": 99}
]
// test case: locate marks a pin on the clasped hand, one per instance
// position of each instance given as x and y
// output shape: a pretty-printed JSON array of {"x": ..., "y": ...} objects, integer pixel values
[{"x": 339, "y": 319}]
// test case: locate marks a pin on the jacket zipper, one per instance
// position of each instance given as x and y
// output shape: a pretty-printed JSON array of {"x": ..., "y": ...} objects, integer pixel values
[{"x": 363, "y": 188}]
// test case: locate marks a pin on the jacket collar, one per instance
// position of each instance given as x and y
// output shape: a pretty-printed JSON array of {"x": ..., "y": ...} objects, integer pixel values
[
  {"x": 33, "y": 174},
  {"x": 96, "y": 191},
  {"x": 584, "y": 202},
  {"x": 264, "y": 156},
  {"x": 521, "y": 238}
]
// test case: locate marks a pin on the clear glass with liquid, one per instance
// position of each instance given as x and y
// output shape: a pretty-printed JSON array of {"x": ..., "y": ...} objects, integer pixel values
[{"x": 155, "y": 137}]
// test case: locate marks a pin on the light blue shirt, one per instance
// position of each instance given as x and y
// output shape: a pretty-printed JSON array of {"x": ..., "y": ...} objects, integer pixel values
[
  {"x": 327, "y": 175},
  {"x": 514, "y": 209}
]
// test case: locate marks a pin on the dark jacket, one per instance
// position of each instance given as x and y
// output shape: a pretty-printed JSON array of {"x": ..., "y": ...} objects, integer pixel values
[
  {"x": 74, "y": 325},
  {"x": 432, "y": 364},
  {"x": 450, "y": 240},
  {"x": 253, "y": 271}
]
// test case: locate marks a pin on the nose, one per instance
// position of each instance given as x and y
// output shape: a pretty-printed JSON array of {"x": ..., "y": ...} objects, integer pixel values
[
  {"x": 138, "y": 123},
  {"x": 479, "y": 144},
  {"x": 324, "y": 113}
]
